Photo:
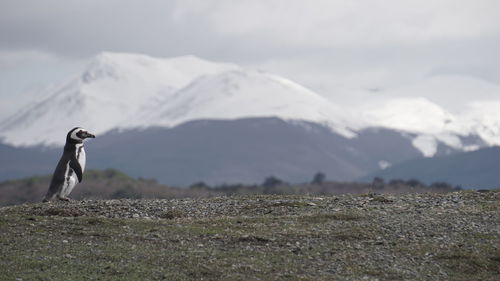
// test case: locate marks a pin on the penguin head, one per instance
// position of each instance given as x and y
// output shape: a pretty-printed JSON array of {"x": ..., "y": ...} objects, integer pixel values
[{"x": 78, "y": 135}]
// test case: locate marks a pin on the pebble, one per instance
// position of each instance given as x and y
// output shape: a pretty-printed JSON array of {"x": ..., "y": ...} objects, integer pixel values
[{"x": 400, "y": 219}]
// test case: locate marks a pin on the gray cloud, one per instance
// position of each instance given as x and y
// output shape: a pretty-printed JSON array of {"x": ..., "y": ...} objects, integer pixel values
[
  {"x": 324, "y": 44},
  {"x": 170, "y": 27}
]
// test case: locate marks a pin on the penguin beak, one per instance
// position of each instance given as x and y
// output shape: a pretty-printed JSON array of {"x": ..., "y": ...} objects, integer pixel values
[{"x": 89, "y": 135}]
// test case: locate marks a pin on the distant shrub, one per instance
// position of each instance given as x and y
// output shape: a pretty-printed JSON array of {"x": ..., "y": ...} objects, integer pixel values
[
  {"x": 441, "y": 185},
  {"x": 127, "y": 192},
  {"x": 272, "y": 181},
  {"x": 378, "y": 183},
  {"x": 414, "y": 183},
  {"x": 395, "y": 182},
  {"x": 319, "y": 178},
  {"x": 199, "y": 185}
]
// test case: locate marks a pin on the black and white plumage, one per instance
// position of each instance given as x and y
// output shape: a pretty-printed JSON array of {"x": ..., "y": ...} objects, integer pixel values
[{"x": 69, "y": 170}]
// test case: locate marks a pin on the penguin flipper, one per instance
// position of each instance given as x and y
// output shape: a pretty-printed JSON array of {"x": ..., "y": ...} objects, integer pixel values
[{"x": 73, "y": 164}]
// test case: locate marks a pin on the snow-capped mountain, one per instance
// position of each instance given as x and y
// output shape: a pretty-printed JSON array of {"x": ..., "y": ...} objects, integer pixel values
[
  {"x": 123, "y": 91},
  {"x": 221, "y": 123},
  {"x": 126, "y": 90},
  {"x": 113, "y": 89},
  {"x": 450, "y": 109}
]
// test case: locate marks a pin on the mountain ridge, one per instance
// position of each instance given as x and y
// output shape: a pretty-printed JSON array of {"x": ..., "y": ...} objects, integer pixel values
[
  {"x": 126, "y": 91},
  {"x": 118, "y": 90}
]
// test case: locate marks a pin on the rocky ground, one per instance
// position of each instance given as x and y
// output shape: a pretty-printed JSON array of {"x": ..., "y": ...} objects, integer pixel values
[{"x": 429, "y": 236}]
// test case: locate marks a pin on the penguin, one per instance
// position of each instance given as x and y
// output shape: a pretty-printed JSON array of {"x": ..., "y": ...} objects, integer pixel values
[{"x": 70, "y": 168}]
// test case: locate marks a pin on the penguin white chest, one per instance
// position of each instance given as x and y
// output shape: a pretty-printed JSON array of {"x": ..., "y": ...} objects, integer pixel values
[
  {"x": 70, "y": 177},
  {"x": 80, "y": 156}
]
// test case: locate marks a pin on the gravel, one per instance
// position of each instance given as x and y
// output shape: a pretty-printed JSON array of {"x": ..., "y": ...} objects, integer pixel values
[{"x": 429, "y": 236}]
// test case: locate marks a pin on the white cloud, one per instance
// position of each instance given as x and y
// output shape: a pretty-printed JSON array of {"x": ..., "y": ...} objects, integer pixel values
[{"x": 10, "y": 58}]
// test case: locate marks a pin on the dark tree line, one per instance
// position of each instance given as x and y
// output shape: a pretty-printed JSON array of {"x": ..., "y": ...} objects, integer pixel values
[{"x": 112, "y": 184}]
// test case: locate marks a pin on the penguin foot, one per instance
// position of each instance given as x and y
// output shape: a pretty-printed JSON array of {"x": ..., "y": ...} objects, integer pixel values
[
  {"x": 64, "y": 199},
  {"x": 48, "y": 199}
]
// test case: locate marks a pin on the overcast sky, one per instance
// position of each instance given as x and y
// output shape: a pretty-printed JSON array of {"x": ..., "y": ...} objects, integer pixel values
[{"x": 336, "y": 47}]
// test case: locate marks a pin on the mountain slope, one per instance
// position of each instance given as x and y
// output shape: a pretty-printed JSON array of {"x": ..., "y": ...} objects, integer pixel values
[
  {"x": 112, "y": 89},
  {"x": 237, "y": 151},
  {"x": 126, "y": 91},
  {"x": 229, "y": 151},
  {"x": 16, "y": 162},
  {"x": 245, "y": 94}
]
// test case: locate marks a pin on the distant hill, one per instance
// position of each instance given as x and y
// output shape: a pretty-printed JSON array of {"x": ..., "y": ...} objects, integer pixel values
[
  {"x": 18, "y": 162},
  {"x": 229, "y": 151},
  {"x": 246, "y": 151},
  {"x": 476, "y": 169}
]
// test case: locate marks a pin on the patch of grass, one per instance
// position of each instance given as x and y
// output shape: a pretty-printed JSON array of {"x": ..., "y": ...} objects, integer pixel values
[
  {"x": 253, "y": 239},
  {"x": 352, "y": 233},
  {"x": 490, "y": 207},
  {"x": 462, "y": 263},
  {"x": 336, "y": 216},
  {"x": 62, "y": 212},
  {"x": 172, "y": 214},
  {"x": 289, "y": 203},
  {"x": 95, "y": 220},
  {"x": 381, "y": 199},
  {"x": 480, "y": 235},
  {"x": 381, "y": 273}
]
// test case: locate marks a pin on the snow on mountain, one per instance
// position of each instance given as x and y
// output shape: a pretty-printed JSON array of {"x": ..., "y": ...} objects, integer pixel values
[
  {"x": 128, "y": 90},
  {"x": 118, "y": 90},
  {"x": 113, "y": 88},
  {"x": 430, "y": 122},
  {"x": 440, "y": 108},
  {"x": 241, "y": 93},
  {"x": 483, "y": 119},
  {"x": 453, "y": 92},
  {"x": 410, "y": 114}
]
